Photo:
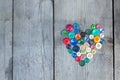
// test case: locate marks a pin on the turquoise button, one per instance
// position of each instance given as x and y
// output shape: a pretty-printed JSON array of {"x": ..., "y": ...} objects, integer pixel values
[
  {"x": 71, "y": 35},
  {"x": 70, "y": 51},
  {"x": 96, "y": 32},
  {"x": 87, "y": 60}
]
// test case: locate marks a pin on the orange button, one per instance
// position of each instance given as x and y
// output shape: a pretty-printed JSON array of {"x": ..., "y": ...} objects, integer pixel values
[
  {"x": 77, "y": 36},
  {"x": 97, "y": 39}
]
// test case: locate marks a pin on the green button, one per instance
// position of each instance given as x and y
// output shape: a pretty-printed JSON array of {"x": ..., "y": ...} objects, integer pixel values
[
  {"x": 96, "y": 32},
  {"x": 93, "y": 26},
  {"x": 64, "y": 33},
  {"x": 83, "y": 51},
  {"x": 82, "y": 63},
  {"x": 88, "y": 31},
  {"x": 71, "y": 35},
  {"x": 87, "y": 60},
  {"x": 81, "y": 41},
  {"x": 70, "y": 51}
]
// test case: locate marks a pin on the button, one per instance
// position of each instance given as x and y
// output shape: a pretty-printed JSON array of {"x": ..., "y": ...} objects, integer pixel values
[
  {"x": 88, "y": 31},
  {"x": 83, "y": 56},
  {"x": 76, "y": 31},
  {"x": 71, "y": 35},
  {"x": 68, "y": 46},
  {"x": 102, "y": 30},
  {"x": 82, "y": 47},
  {"x": 82, "y": 34},
  {"x": 76, "y": 48},
  {"x": 74, "y": 55},
  {"x": 66, "y": 41},
  {"x": 70, "y": 51},
  {"x": 89, "y": 55},
  {"x": 97, "y": 39},
  {"x": 77, "y": 36},
  {"x": 86, "y": 44},
  {"x": 78, "y": 54},
  {"x": 93, "y": 46},
  {"x": 93, "y": 26},
  {"x": 77, "y": 59},
  {"x": 102, "y": 41},
  {"x": 76, "y": 26},
  {"x": 93, "y": 51},
  {"x": 102, "y": 35},
  {"x": 96, "y": 32},
  {"x": 81, "y": 41},
  {"x": 69, "y": 27},
  {"x": 91, "y": 42},
  {"x": 86, "y": 39},
  {"x": 91, "y": 36},
  {"x": 87, "y": 60},
  {"x": 64, "y": 33},
  {"x": 98, "y": 45},
  {"x": 98, "y": 26},
  {"x": 73, "y": 41},
  {"x": 83, "y": 51},
  {"x": 82, "y": 63},
  {"x": 88, "y": 49}
]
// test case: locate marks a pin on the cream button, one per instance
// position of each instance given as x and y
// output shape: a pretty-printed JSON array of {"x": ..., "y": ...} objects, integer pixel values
[
  {"x": 93, "y": 51},
  {"x": 78, "y": 54},
  {"x": 91, "y": 36},
  {"x": 88, "y": 49},
  {"x": 90, "y": 55},
  {"x": 98, "y": 45}
]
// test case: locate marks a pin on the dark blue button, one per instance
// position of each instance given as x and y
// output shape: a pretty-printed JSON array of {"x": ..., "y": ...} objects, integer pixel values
[
  {"x": 74, "y": 55},
  {"x": 91, "y": 42},
  {"x": 76, "y": 26},
  {"x": 76, "y": 31},
  {"x": 73, "y": 41},
  {"x": 76, "y": 48},
  {"x": 102, "y": 41},
  {"x": 82, "y": 34},
  {"x": 68, "y": 46}
]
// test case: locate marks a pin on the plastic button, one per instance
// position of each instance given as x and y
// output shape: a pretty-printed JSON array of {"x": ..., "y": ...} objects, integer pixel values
[
  {"x": 76, "y": 48},
  {"x": 73, "y": 41},
  {"x": 96, "y": 32},
  {"x": 83, "y": 51},
  {"x": 88, "y": 49},
  {"x": 102, "y": 35},
  {"x": 66, "y": 41},
  {"x": 78, "y": 54},
  {"x": 83, "y": 56},
  {"x": 74, "y": 55},
  {"x": 87, "y": 60},
  {"x": 68, "y": 46},
  {"x": 102, "y": 41},
  {"x": 86, "y": 39},
  {"x": 70, "y": 51},
  {"x": 64, "y": 33},
  {"x": 88, "y": 31},
  {"x": 98, "y": 26},
  {"x": 76, "y": 31},
  {"x": 71, "y": 35},
  {"x": 81, "y": 41},
  {"x": 89, "y": 55},
  {"x": 76, "y": 26},
  {"x": 93, "y": 51},
  {"x": 77, "y": 59},
  {"x": 93, "y": 46},
  {"x": 91, "y": 42},
  {"x": 77, "y": 36},
  {"x": 97, "y": 39},
  {"x": 69, "y": 27},
  {"x": 82, "y": 63},
  {"x": 86, "y": 44},
  {"x": 82, "y": 34},
  {"x": 93, "y": 26},
  {"x": 98, "y": 45},
  {"x": 91, "y": 36},
  {"x": 102, "y": 30},
  {"x": 82, "y": 47}
]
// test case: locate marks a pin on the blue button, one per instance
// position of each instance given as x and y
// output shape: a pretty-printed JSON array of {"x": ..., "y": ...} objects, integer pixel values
[
  {"x": 73, "y": 41},
  {"x": 86, "y": 39},
  {"x": 76, "y": 48},
  {"x": 76, "y": 31},
  {"x": 102, "y": 30},
  {"x": 76, "y": 26},
  {"x": 74, "y": 55},
  {"x": 102, "y": 41}
]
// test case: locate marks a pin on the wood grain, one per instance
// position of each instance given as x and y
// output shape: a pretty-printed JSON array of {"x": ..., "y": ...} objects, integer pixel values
[
  {"x": 84, "y": 12},
  {"x": 117, "y": 38},
  {"x": 5, "y": 39},
  {"x": 33, "y": 40}
]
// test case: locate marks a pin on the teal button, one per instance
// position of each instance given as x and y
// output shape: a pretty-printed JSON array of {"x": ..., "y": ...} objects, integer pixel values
[
  {"x": 70, "y": 51},
  {"x": 64, "y": 33},
  {"x": 96, "y": 32},
  {"x": 87, "y": 60},
  {"x": 71, "y": 35},
  {"x": 82, "y": 63},
  {"x": 81, "y": 41},
  {"x": 88, "y": 31}
]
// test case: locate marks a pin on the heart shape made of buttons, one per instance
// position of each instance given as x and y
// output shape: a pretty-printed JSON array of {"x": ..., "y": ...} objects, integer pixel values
[{"x": 82, "y": 45}]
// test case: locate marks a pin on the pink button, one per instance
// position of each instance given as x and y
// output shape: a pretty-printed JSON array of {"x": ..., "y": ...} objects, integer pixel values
[
  {"x": 86, "y": 44},
  {"x": 82, "y": 47},
  {"x": 69, "y": 27},
  {"x": 83, "y": 56},
  {"x": 92, "y": 46},
  {"x": 98, "y": 26}
]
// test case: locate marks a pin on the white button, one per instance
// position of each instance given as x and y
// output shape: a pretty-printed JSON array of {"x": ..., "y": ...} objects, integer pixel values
[
  {"x": 98, "y": 45},
  {"x": 102, "y": 35},
  {"x": 88, "y": 49},
  {"x": 93, "y": 51},
  {"x": 78, "y": 54},
  {"x": 90, "y": 55},
  {"x": 91, "y": 36}
]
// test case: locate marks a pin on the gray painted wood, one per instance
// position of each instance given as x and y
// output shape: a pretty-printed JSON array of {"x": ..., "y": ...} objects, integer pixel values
[
  {"x": 5, "y": 39},
  {"x": 84, "y": 12},
  {"x": 33, "y": 40},
  {"x": 117, "y": 38}
]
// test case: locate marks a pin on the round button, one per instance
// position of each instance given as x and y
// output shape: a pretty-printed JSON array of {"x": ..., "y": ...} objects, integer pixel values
[
  {"x": 97, "y": 39},
  {"x": 82, "y": 47},
  {"x": 77, "y": 36},
  {"x": 83, "y": 56},
  {"x": 98, "y": 45},
  {"x": 91, "y": 42},
  {"x": 102, "y": 41},
  {"x": 69, "y": 27},
  {"x": 81, "y": 41},
  {"x": 78, "y": 54},
  {"x": 64, "y": 33},
  {"x": 82, "y": 34},
  {"x": 74, "y": 55},
  {"x": 98, "y": 26},
  {"x": 89, "y": 55},
  {"x": 71, "y": 35},
  {"x": 102, "y": 30},
  {"x": 66, "y": 41},
  {"x": 82, "y": 63},
  {"x": 93, "y": 26},
  {"x": 86, "y": 39},
  {"x": 86, "y": 44},
  {"x": 76, "y": 48},
  {"x": 91, "y": 36},
  {"x": 93, "y": 51},
  {"x": 76, "y": 31},
  {"x": 76, "y": 26},
  {"x": 77, "y": 59},
  {"x": 88, "y": 31},
  {"x": 96, "y": 32},
  {"x": 102, "y": 35},
  {"x": 83, "y": 51},
  {"x": 68, "y": 46},
  {"x": 70, "y": 51},
  {"x": 87, "y": 60},
  {"x": 88, "y": 49},
  {"x": 93, "y": 46},
  {"x": 73, "y": 41}
]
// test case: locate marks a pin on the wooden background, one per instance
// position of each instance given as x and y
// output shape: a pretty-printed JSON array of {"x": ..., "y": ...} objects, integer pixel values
[{"x": 31, "y": 45}]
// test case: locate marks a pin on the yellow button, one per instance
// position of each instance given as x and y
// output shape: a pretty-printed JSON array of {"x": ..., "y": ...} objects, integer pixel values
[
  {"x": 98, "y": 45},
  {"x": 93, "y": 51},
  {"x": 97, "y": 39}
]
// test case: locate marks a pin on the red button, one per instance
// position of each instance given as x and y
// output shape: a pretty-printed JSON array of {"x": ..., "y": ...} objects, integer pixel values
[
  {"x": 69, "y": 27},
  {"x": 77, "y": 59},
  {"x": 66, "y": 41}
]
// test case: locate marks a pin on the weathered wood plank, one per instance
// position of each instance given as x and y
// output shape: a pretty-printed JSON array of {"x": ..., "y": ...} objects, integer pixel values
[
  {"x": 117, "y": 38},
  {"x": 5, "y": 39},
  {"x": 33, "y": 40},
  {"x": 85, "y": 12}
]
